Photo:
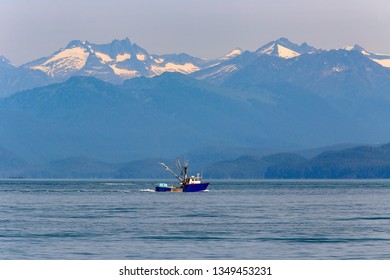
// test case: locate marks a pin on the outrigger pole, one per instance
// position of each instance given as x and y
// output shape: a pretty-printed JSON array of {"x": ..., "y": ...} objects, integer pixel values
[{"x": 170, "y": 170}]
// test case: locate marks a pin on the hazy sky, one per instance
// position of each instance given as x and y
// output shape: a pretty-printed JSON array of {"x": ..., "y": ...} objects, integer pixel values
[{"x": 31, "y": 29}]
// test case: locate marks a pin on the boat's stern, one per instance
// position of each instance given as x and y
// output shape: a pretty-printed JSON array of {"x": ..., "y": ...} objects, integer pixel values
[{"x": 162, "y": 187}]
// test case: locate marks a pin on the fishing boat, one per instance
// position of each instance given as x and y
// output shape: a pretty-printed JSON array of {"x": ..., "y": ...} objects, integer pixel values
[{"x": 187, "y": 183}]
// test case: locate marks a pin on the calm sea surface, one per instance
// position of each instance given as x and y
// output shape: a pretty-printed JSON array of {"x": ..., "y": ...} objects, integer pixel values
[{"x": 234, "y": 220}]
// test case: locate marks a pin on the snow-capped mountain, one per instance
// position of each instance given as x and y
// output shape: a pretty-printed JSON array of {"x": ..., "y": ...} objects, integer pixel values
[
  {"x": 333, "y": 73},
  {"x": 113, "y": 62},
  {"x": 225, "y": 66},
  {"x": 285, "y": 49},
  {"x": 121, "y": 59},
  {"x": 381, "y": 59},
  {"x": 237, "y": 59},
  {"x": 231, "y": 54},
  {"x": 117, "y": 61}
]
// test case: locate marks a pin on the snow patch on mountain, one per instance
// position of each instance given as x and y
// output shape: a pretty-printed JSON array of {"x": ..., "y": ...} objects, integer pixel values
[
  {"x": 339, "y": 68},
  {"x": 232, "y": 54},
  {"x": 64, "y": 62},
  {"x": 280, "y": 51},
  {"x": 269, "y": 50},
  {"x": 186, "y": 68},
  {"x": 220, "y": 71},
  {"x": 381, "y": 59},
  {"x": 141, "y": 56},
  {"x": 348, "y": 48},
  {"x": 124, "y": 73},
  {"x": 159, "y": 60},
  {"x": 383, "y": 62},
  {"x": 103, "y": 57},
  {"x": 286, "y": 53},
  {"x": 122, "y": 57}
]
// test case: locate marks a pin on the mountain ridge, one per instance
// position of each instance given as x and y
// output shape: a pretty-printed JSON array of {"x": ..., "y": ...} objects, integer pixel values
[
  {"x": 362, "y": 162},
  {"x": 356, "y": 162},
  {"x": 121, "y": 59}
]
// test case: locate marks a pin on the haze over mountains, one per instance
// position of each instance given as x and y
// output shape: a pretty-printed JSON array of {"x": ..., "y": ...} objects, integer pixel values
[{"x": 115, "y": 103}]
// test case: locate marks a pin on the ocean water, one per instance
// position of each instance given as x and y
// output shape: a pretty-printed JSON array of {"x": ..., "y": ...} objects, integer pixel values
[{"x": 262, "y": 219}]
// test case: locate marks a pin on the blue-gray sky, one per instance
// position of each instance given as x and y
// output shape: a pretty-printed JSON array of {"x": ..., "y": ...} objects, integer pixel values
[{"x": 204, "y": 28}]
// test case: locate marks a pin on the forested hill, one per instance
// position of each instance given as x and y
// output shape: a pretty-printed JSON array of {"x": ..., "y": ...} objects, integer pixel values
[{"x": 363, "y": 162}]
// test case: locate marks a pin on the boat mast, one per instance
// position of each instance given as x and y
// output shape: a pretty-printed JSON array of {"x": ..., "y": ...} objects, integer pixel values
[{"x": 186, "y": 171}]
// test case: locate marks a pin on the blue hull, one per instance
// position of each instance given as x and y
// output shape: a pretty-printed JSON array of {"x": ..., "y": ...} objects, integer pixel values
[
  {"x": 163, "y": 189},
  {"x": 195, "y": 187},
  {"x": 188, "y": 188}
]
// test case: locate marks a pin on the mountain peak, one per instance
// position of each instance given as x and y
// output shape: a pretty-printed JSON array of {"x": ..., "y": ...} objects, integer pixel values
[
  {"x": 355, "y": 47},
  {"x": 283, "y": 41},
  {"x": 76, "y": 43},
  {"x": 113, "y": 62},
  {"x": 123, "y": 42},
  {"x": 232, "y": 54},
  {"x": 359, "y": 48},
  {"x": 381, "y": 59},
  {"x": 284, "y": 48}
]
